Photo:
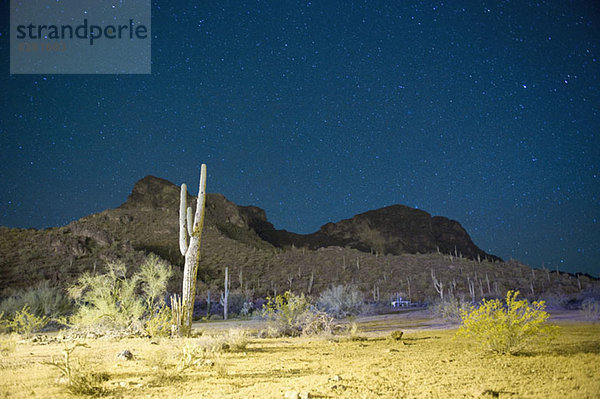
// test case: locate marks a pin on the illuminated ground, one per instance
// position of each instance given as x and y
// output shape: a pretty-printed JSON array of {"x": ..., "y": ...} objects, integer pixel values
[{"x": 428, "y": 363}]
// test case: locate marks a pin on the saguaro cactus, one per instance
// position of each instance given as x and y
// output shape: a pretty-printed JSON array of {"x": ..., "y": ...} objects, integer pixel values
[
  {"x": 225, "y": 295},
  {"x": 438, "y": 285},
  {"x": 189, "y": 244}
]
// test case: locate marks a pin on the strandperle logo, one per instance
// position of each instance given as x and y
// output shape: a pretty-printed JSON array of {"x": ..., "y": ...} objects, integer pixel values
[
  {"x": 83, "y": 31},
  {"x": 80, "y": 37}
]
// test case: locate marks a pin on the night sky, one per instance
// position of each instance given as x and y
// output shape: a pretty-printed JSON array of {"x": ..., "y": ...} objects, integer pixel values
[{"x": 486, "y": 112}]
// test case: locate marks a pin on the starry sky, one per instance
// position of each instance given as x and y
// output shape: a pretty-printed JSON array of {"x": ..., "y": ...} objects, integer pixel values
[{"x": 486, "y": 112}]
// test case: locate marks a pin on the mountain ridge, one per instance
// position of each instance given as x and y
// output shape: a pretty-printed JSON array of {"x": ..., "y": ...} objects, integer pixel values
[
  {"x": 262, "y": 260},
  {"x": 395, "y": 229}
]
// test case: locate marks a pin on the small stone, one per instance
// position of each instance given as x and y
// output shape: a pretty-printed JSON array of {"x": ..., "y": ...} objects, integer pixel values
[
  {"x": 392, "y": 350},
  {"x": 304, "y": 395},
  {"x": 123, "y": 384},
  {"x": 125, "y": 355},
  {"x": 335, "y": 378},
  {"x": 291, "y": 395}
]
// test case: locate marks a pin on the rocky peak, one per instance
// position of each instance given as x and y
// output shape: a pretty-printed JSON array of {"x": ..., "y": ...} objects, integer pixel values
[
  {"x": 153, "y": 192},
  {"x": 392, "y": 230}
]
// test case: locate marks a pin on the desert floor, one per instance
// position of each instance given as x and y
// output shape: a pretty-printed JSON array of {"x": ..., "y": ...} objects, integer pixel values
[{"x": 429, "y": 362}]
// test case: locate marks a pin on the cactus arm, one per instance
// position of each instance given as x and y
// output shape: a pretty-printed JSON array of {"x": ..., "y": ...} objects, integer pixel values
[
  {"x": 183, "y": 239},
  {"x": 190, "y": 222},
  {"x": 199, "y": 216}
]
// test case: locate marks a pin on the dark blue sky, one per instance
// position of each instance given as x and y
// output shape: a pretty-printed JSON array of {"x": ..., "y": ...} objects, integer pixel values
[{"x": 485, "y": 112}]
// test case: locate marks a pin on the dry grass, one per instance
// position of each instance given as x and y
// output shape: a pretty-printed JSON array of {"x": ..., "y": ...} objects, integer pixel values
[{"x": 423, "y": 364}]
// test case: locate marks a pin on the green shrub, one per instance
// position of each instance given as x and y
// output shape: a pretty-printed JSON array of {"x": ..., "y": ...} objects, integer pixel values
[
  {"x": 42, "y": 300},
  {"x": 506, "y": 328},
  {"x": 107, "y": 301},
  {"x": 158, "y": 324},
  {"x": 115, "y": 301},
  {"x": 285, "y": 314},
  {"x": 154, "y": 275},
  {"x": 23, "y": 322},
  {"x": 341, "y": 301}
]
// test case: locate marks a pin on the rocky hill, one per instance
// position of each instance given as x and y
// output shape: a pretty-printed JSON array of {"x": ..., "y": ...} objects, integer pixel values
[
  {"x": 386, "y": 250},
  {"x": 395, "y": 230}
]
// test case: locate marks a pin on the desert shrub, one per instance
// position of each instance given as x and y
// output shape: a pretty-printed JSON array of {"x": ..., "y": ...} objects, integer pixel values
[
  {"x": 557, "y": 301},
  {"x": 292, "y": 315},
  {"x": 115, "y": 301},
  {"x": 353, "y": 333},
  {"x": 246, "y": 310},
  {"x": 214, "y": 344},
  {"x": 23, "y": 322},
  {"x": 107, "y": 301},
  {"x": 42, "y": 300},
  {"x": 78, "y": 378},
  {"x": 164, "y": 371},
  {"x": 316, "y": 322},
  {"x": 236, "y": 303},
  {"x": 191, "y": 356},
  {"x": 158, "y": 324},
  {"x": 8, "y": 344},
  {"x": 449, "y": 309},
  {"x": 237, "y": 339},
  {"x": 154, "y": 275},
  {"x": 285, "y": 314},
  {"x": 590, "y": 309},
  {"x": 506, "y": 328},
  {"x": 341, "y": 301}
]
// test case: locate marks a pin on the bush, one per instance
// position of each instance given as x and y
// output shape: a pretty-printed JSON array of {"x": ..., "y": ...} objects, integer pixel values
[
  {"x": 292, "y": 315},
  {"x": 154, "y": 275},
  {"x": 8, "y": 344},
  {"x": 107, "y": 301},
  {"x": 286, "y": 314},
  {"x": 341, "y": 301},
  {"x": 449, "y": 309},
  {"x": 232, "y": 341},
  {"x": 78, "y": 378},
  {"x": 42, "y": 300},
  {"x": 316, "y": 322},
  {"x": 506, "y": 328},
  {"x": 590, "y": 309},
  {"x": 115, "y": 301},
  {"x": 237, "y": 340},
  {"x": 23, "y": 322},
  {"x": 158, "y": 324}
]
